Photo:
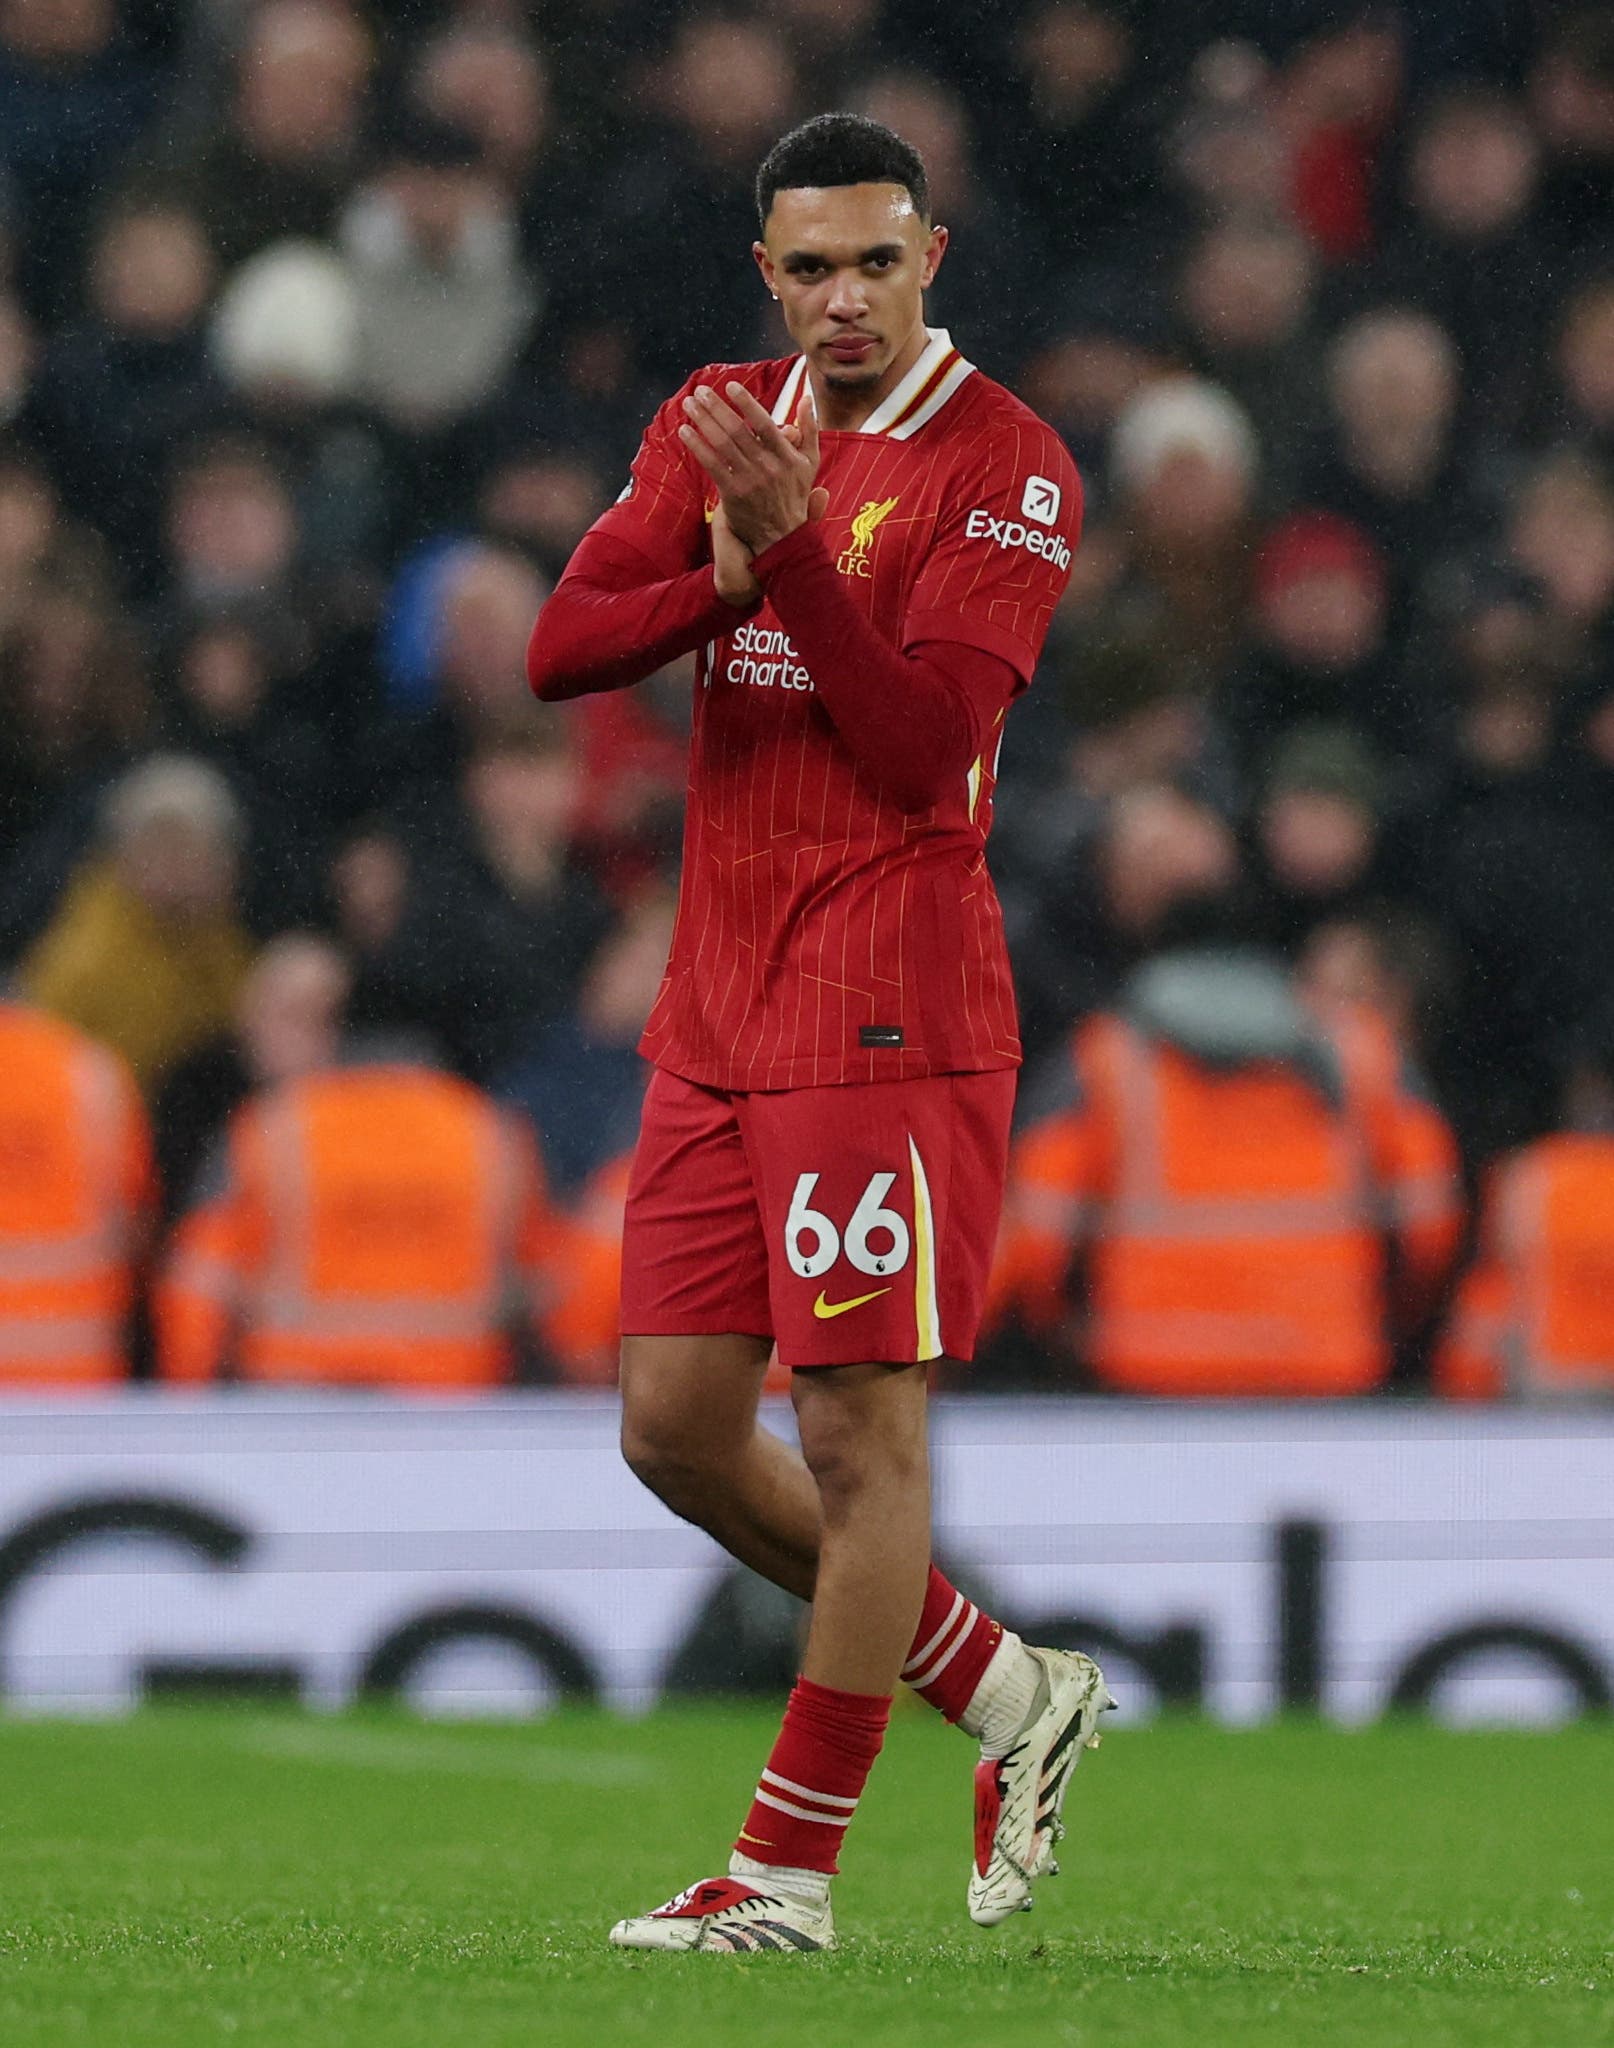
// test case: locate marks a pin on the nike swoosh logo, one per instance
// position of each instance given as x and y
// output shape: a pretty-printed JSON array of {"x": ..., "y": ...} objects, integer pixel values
[{"x": 825, "y": 1309}]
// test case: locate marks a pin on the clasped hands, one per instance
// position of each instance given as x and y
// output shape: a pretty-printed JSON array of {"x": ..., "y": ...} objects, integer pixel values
[{"x": 764, "y": 475}]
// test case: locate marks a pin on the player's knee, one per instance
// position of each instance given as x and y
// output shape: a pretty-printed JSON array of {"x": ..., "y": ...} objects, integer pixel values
[
  {"x": 670, "y": 1458},
  {"x": 852, "y": 1461}
]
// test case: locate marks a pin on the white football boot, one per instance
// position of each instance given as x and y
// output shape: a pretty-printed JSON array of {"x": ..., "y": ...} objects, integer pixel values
[
  {"x": 1019, "y": 1796},
  {"x": 728, "y": 1916}
]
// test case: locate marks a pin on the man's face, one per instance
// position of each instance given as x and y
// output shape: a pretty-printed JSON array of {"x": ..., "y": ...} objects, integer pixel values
[{"x": 850, "y": 265}]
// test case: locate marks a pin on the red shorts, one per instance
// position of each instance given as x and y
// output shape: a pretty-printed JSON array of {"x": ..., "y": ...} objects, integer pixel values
[{"x": 853, "y": 1225}]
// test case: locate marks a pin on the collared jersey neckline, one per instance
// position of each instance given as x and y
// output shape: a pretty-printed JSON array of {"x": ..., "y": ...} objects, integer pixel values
[{"x": 916, "y": 401}]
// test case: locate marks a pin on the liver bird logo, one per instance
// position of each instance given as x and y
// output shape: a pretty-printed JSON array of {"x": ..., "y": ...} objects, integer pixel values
[{"x": 855, "y": 560}]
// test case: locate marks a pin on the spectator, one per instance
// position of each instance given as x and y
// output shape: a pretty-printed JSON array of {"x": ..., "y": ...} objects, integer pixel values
[
  {"x": 1246, "y": 296},
  {"x": 77, "y": 1197},
  {"x": 1561, "y": 533},
  {"x": 1318, "y": 831},
  {"x": 146, "y": 951},
  {"x": 1584, "y": 363},
  {"x": 232, "y": 675},
  {"x": 1121, "y": 720},
  {"x": 1534, "y": 1318},
  {"x": 1108, "y": 346},
  {"x": 230, "y": 525},
  {"x": 19, "y": 365},
  {"x": 491, "y": 902},
  {"x": 1387, "y": 457},
  {"x": 493, "y": 83},
  {"x": 1336, "y": 102},
  {"x": 285, "y": 339},
  {"x": 1389, "y": 964},
  {"x": 1157, "y": 856},
  {"x": 1517, "y": 867},
  {"x": 633, "y": 760},
  {"x": 838, "y": 43},
  {"x": 1572, "y": 98},
  {"x": 460, "y": 637},
  {"x": 132, "y": 380},
  {"x": 541, "y": 502},
  {"x": 726, "y": 90},
  {"x": 283, "y": 160},
  {"x": 29, "y": 522},
  {"x": 1078, "y": 145},
  {"x": 982, "y": 298},
  {"x": 1227, "y": 148},
  {"x": 73, "y": 690},
  {"x": 1467, "y": 255},
  {"x": 288, "y": 1024},
  {"x": 1234, "y": 1176},
  {"x": 433, "y": 252},
  {"x": 490, "y": 83},
  {"x": 73, "y": 99},
  {"x": 400, "y": 1215},
  {"x": 1320, "y": 615},
  {"x": 1185, "y": 462},
  {"x": 581, "y": 1081}
]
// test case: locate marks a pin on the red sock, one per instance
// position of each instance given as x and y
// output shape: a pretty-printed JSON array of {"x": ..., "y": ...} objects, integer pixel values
[
  {"x": 809, "y": 1792},
  {"x": 952, "y": 1647}
]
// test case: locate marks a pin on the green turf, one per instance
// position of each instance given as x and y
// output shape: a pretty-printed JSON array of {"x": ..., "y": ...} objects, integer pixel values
[{"x": 192, "y": 1876}]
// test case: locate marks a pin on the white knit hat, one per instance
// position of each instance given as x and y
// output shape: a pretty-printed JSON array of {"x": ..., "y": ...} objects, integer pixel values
[
  {"x": 176, "y": 789},
  {"x": 289, "y": 317},
  {"x": 1182, "y": 413}
]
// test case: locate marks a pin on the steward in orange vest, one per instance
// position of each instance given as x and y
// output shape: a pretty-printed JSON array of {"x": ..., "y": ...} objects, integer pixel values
[
  {"x": 77, "y": 1197},
  {"x": 1261, "y": 1199},
  {"x": 377, "y": 1226},
  {"x": 582, "y": 1331},
  {"x": 1535, "y": 1315}
]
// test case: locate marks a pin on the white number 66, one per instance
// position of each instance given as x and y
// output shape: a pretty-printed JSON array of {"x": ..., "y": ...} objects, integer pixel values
[{"x": 804, "y": 1225}]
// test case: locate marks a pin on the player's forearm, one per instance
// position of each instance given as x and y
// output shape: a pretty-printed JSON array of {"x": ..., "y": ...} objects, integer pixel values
[
  {"x": 614, "y": 619},
  {"x": 916, "y": 721}
]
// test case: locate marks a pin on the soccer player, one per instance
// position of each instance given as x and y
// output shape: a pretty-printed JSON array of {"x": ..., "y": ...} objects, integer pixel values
[{"x": 864, "y": 543}]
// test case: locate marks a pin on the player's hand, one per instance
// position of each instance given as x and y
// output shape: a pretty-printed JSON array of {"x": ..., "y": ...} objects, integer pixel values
[
  {"x": 764, "y": 474},
  {"x": 731, "y": 564}
]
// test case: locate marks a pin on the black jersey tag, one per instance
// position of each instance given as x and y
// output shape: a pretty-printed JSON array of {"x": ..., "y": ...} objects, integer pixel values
[{"x": 874, "y": 1036}]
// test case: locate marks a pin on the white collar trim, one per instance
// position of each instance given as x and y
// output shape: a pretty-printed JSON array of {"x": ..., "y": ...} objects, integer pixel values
[{"x": 938, "y": 346}]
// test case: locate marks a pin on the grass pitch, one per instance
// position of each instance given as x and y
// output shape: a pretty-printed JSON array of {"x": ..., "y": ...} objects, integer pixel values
[{"x": 194, "y": 1876}]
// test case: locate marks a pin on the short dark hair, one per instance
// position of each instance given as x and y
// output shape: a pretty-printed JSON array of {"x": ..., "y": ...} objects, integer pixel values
[{"x": 841, "y": 149}]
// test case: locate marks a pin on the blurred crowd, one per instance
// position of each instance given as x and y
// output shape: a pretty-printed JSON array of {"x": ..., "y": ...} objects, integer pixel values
[{"x": 325, "y": 330}]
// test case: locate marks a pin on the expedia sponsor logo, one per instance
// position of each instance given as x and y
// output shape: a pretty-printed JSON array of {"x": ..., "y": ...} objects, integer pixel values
[
  {"x": 765, "y": 658},
  {"x": 1040, "y": 500},
  {"x": 1014, "y": 533}
]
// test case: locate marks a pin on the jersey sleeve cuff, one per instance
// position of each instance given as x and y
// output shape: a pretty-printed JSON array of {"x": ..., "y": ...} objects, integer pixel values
[
  {"x": 802, "y": 545},
  {"x": 919, "y": 627}
]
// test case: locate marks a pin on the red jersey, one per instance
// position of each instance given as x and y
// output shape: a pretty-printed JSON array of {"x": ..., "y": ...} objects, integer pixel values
[{"x": 825, "y": 935}]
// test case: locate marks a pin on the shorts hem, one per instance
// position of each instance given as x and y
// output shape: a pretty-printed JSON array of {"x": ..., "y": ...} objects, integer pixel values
[{"x": 682, "y": 1326}]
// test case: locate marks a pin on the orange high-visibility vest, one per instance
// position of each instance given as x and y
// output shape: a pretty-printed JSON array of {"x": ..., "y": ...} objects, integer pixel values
[
  {"x": 379, "y": 1226},
  {"x": 77, "y": 1193},
  {"x": 582, "y": 1331},
  {"x": 1236, "y": 1219},
  {"x": 1535, "y": 1316}
]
